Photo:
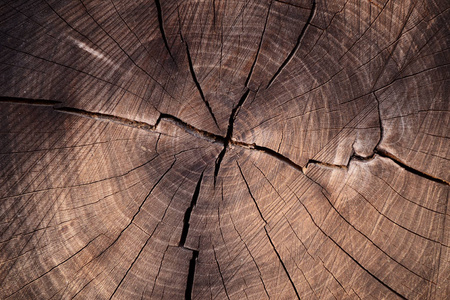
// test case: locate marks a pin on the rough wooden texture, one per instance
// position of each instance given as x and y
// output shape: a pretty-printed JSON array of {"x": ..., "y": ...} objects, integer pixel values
[{"x": 224, "y": 149}]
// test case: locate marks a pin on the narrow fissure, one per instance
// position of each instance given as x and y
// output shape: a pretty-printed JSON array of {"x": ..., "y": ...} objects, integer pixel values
[
  {"x": 297, "y": 44},
  {"x": 187, "y": 214},
  {"x": 348, "y": 254},
  {"x": 220, "y": 273},
  {"x": 275, "y": 154},
  {"x": 259, "y": 46},
  {"x": 123, "y": 50},
  {"x": 250, "y": 192},
  {"x": 219, "y": 161},
  {"x": 161, "y": 27},
  {"x": 227, "y": 139},
  {"x": 132, "y": 264},
  {"x": 27, "y": 101},
  {"x": 197, "y": 84},
  {"x": 390, "y": 156},
  {"x": 328, "y": 165},
  {"x": 282, "y": 263},
  {"x": 106, "y": 117},
  {"x": 213, "y": 138},
  {"x": 383, "y": 154},
  {"x": 379, "y": 121},
  {"x": 190, "y": 278}
]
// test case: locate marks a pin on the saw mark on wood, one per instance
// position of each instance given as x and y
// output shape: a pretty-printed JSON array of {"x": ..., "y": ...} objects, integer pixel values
[
  {"x": 132, "y": 264},
  {"x": 332, "y": 275},
  {"x": 396, "y": 223},
  {"x": 138, "y": 210},
  {"x": 365, "y": 31},
  {"x": 74, "y": 69},
  {"x": 159, "y": 271},
  {"x": 53, "y": 206},
  {"x": 139, "y": 40}
]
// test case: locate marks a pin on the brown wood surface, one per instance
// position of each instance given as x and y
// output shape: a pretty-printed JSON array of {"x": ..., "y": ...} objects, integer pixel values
[{"x": 224, "y": 149}]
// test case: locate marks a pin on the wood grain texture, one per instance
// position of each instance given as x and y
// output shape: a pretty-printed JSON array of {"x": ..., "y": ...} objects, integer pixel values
[{"x": 289, "y": 149}]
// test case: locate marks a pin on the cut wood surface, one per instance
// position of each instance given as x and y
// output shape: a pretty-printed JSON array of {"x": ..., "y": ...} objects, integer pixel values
[{"x": 291, "y": 149}]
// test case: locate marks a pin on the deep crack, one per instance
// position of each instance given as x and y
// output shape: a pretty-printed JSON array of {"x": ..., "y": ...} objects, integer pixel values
[
  {"x": 213, "y": 138},
  {"x": 190, "y": 278},
  {"x": 384, "y": 154},
  {"x": 229, "y": 135},
  {"x": 187, "y": 214},
  {"x": 396, "y": 160}
]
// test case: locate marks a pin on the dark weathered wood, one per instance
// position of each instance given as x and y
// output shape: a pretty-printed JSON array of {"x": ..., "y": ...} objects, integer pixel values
[{"x": 224, "y": 149}]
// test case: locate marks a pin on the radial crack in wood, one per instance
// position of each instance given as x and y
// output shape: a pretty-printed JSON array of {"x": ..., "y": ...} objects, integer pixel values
[{"x": 290, "y": 149}]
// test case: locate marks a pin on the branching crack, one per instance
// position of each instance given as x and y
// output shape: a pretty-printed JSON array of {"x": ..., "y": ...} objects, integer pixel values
[
  {"x": 187, "y": 214},
  {"x": 214, "y": 138},
  {"x": 282, "y": 263},
  {"x": 229, "y": 135},
  {"x": 297, "y": 44}
]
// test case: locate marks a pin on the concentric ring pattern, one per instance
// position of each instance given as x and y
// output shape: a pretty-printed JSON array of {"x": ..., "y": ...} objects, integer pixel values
[{"x": 224, "y": 149}]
